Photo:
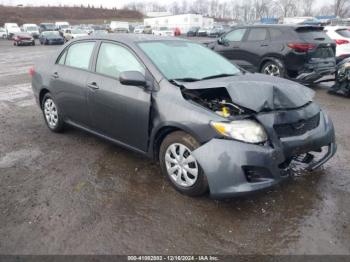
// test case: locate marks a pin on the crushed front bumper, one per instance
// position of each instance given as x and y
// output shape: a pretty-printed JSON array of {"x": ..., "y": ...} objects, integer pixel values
[{"x": 230, "y": 166}]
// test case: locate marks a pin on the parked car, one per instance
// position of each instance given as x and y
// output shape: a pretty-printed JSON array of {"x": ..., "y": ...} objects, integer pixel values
[
  {"x": 32, "y": 29},
  {"x": 60, "y": 26},
  {"x": 177, "y": 31},
  {"x": 3, "y": 33},
  {"x": 51, "y": 38},
  {"x": 210, "y": 125},
  {"x": 341, "y": 36},
  {"x": 193, "y": 31},
  {"x": 23, "y": 38},
  {"x": 43, "y": 27},
  {"x": 342, "y": 79},
  {"x": 216, "y": 32},
  {"x": 99, "y": 33},
  {"x": 202, "y": 32},
  {"x": 302, "y": 53},
  {"x": 119, "y": 27},
  {"x": 163, "y": 31},
  {"x": 69, "y": 34},
  {"x": 147, "y": 30},
  {"x": 11, "y": 29},
  {"x": 139, "y": 29}
]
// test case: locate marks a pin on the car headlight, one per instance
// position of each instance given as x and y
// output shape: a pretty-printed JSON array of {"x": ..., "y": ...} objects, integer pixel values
[{"x": 243, "y": 130}]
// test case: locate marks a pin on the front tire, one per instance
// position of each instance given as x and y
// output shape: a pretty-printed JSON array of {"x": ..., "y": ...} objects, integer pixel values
[
  {"x": 179, "y": 165},
  {"x": 273, "y": 68},
  {"x": 52, "y": 115}
]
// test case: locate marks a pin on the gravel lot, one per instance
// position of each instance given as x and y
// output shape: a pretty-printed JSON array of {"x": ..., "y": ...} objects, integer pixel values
[{"x": 73, "y": 193}]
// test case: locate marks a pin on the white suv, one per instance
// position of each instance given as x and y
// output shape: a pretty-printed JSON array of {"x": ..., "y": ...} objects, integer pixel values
[{"x": 341, "y": 36}]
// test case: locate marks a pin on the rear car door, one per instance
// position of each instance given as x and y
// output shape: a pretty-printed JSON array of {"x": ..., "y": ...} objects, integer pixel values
[
  {"x": 230, "y": 46},
  {"x": 255, "y": 46},
  {"x": 68, "y": 79},
  {"x": 118, "y": 111}
]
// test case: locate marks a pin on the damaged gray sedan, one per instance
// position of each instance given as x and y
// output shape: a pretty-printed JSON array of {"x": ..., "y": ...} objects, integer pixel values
[{"x": 212, "y": 126}]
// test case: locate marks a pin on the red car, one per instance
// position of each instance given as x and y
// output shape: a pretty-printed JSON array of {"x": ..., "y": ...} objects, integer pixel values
[
  {"x": 23, "y": 39},
  {"x": 177, "y": 31}
]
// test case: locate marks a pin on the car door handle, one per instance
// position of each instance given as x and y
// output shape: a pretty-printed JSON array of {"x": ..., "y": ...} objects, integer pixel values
[
  {"x": 262, "y": 45},
  {"x": 93, "y": 86},
  {"x": 55, "y": 75}
]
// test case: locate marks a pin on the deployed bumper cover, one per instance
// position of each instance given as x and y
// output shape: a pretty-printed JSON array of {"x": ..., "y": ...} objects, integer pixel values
[{"x": 228, "y": 164}]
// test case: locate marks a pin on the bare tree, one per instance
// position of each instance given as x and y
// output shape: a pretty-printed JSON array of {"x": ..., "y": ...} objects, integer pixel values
[
  {"x": 261, "y": 9},
  {"x": 307, "y": 7},
  {"x": 286, "y": 7},
  {"x": 325, "y": 10},
  {"x": 175, "y": 8},
  {"x": 341, "y": 7}
]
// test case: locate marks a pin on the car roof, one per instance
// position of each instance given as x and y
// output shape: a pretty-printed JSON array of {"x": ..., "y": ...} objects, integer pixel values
[
  {"x": 131, "y": 38},
  {"x": 336, "y": 27},
  {"x": 293, "y": 26}
]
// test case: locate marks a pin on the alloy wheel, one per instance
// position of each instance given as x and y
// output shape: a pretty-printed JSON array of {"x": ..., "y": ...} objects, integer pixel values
[{"x": 272, "y": 70}]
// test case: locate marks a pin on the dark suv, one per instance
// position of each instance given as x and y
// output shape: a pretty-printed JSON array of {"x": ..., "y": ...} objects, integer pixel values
[{"x": 299, "y": 52}]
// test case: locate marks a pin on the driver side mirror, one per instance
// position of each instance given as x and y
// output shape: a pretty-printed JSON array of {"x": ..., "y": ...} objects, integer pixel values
[
  {"x": 132, "y": 78},
  {"x": 223, "y": 41}
]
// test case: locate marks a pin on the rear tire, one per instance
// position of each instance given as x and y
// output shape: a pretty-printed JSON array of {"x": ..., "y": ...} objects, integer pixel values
[
  {"x": 180, "y": 167},
  {"x": 52, "y": 115},
  {"x": 273, "y": 68}
]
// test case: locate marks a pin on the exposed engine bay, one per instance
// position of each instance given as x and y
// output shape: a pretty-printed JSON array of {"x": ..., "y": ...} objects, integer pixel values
[{"x": 216, "y": 99}]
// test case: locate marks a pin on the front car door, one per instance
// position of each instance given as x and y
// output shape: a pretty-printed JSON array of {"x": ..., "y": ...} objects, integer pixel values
[
  {"x": 230, "y": 45},
  {"x": 68, "y": 79},
  {"x": 118, "y": 111}
]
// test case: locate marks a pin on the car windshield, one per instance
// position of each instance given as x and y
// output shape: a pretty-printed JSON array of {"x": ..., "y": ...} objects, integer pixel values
[
  {"x": 49, "y": 26},
  {"x": 163, "y": 29},
  {"x": 182, "y": 60},
  {"x": 78, "y": 31},
  {"x": 51, "y": 33},
  {"x": 32, "y": 28}
]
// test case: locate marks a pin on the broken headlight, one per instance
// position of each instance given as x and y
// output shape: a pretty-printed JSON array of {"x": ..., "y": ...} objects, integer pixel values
[{"x": 243, "y": 130}]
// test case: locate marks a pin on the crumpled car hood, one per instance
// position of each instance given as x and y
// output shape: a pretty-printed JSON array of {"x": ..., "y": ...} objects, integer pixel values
[{"x": 259, "y": 92}]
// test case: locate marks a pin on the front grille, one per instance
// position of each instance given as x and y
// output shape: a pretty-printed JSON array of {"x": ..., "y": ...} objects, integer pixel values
[{"x": 298, "y": 128}]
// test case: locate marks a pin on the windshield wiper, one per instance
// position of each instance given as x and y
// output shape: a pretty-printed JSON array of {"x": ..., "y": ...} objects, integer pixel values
[
  {"x": 217, "y": 76},
  {"x": 185, "y": 79}
]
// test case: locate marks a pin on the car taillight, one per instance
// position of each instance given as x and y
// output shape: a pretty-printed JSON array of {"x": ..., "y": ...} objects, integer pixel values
[
  {"x": 341, "y": 41},
  {"x": 31, "y": 71},
  {"x": 301, "y": 47}
]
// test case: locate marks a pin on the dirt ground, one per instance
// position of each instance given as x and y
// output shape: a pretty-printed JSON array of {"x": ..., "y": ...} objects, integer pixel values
[{"x": 73, "y": 193}]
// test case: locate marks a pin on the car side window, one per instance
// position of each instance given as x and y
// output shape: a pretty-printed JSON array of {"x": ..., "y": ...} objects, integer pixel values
[
  {"x": 235, "y": 35},
  {"x": 78, "y": 55},
  {"x": 257, "y": 34},
  {"x": 275, "y": 34},
  {"x": 113, "y": 59}
]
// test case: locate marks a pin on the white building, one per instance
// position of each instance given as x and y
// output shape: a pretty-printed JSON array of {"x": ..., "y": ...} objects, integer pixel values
[{"x": 183, "y": 22}]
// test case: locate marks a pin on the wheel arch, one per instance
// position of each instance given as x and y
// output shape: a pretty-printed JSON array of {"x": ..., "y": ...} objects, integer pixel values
[
  {"x": 162, "y": 132},
  {"x": 273, "y": 58},
  {"x": 42, "y": 93}
]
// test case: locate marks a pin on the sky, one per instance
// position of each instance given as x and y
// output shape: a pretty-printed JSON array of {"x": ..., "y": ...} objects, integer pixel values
[{"x": 105, "y": 3}]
